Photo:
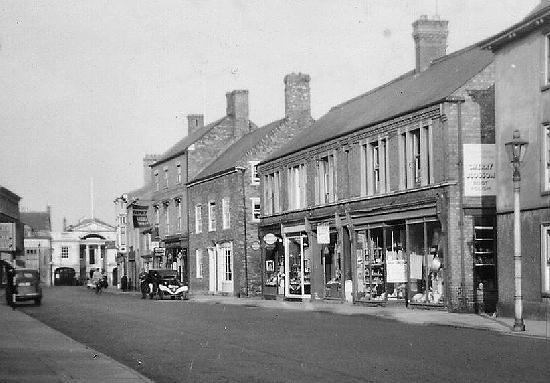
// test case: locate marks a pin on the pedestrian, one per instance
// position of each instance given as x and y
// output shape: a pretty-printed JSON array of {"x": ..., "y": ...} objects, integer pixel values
[{"x": 124, "y": 282}]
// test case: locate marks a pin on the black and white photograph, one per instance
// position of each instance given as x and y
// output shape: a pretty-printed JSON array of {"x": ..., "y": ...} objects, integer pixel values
[{"x": 274, "y": 191}]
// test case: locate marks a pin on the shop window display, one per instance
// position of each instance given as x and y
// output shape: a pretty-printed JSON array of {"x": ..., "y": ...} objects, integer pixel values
[
  {"x": 396, "y": 263},
  {"x": 332, "y": 267},
  {"x": 299, "y": 266}
]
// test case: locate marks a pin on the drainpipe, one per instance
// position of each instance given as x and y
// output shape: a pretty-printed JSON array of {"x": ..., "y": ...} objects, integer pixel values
[{"x": 245, "y": 243}]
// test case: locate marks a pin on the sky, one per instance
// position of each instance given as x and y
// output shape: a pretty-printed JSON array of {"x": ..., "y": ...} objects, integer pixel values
[{"x": 87, "y": 88}]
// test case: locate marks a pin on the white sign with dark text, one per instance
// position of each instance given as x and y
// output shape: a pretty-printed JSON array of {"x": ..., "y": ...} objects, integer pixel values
[{"x": 479, "y": 170}]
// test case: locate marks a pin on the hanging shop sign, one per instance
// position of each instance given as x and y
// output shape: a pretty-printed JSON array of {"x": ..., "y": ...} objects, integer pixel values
[
  {"x": 140, "y": 216},
  {"x": 323, "y": 234},
  {"x": 479, "y": 170},
  {"x": 270, "y": 238},
  {"x": 7, "y": 236}
]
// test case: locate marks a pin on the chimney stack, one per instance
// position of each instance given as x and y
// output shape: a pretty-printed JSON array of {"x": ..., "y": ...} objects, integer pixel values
[
  {"x": 148, "y": 160},
  {"x": 194, "y": 122},
  {"x": 237, "y": 107},
  {"x": 297, "y": 96},
  {"x": 430, "y": 40}
]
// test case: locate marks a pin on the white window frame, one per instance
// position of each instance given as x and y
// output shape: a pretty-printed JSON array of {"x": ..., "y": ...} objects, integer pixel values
[
  {"x": 226, "y": 213},
  {"x": 166, "y": 218},
  {"x": 255, "y": 212},
  {"x": 545, "y": 259},
  {"x": 254, "y": 177},
  {"x": 198, "y": 263},
  {"x": 545, "y": 154},
  {"x": 212, "y": 216},
  {"x": 272, "y": 188},
  {"x": 64, "y": 252},
  {"x": 178, "y": 169},
  {"x": 178, "y": 209},
  {"x": 198, "y": 218},
  {"x": 157, "y": 181},
  {"x": 325, "y": 185},
  {"x": 166, "y": 177},
  {"x": 416, "y": 156},
  {"x": 296, "y": 177}
]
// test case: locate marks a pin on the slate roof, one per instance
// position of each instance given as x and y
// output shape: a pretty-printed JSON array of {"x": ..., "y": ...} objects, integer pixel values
[
  {"x": 36, "y": 220},
  {"x": 405, "y": 94},
  {"x": 233, "y": 154},
  {"x": 188, "y": 140}
]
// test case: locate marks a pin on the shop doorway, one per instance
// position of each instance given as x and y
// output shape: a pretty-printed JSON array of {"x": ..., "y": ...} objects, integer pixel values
[
  {"x": 225, "y": 268},
  {"x": 297, "y": 267}
]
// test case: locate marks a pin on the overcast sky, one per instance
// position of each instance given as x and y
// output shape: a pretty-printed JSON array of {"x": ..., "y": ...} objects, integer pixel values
[{"x": 88, "y": 87}]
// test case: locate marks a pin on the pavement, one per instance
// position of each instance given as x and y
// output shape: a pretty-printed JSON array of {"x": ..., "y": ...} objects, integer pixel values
[{"x": 30, "y": 351}]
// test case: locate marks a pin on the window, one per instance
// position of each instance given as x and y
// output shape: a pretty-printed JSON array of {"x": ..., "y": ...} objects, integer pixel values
[
  {"x": 545, "y": 258},
  {"x": 198, "y": 263},
  {"x": 416, "y": 168},
  {"x": 297, "y": 187},
  {"x": 198, "y": 219},
  {"x": 547, "y": 43},
  {"x": 546, "y": 157},
  {"x": 254, "y": 177},
  {"x": 325, "y": 190},
  {"x": 82, "y": 251},
  {"x": 157, "y": 181},
  {"x": 178, "y": 209},
  {"x": 178, "y": 169},
  {"x": 271, "y": 193},
  {"x": 375, "y": 167},
  {"x": 211, "y": 216},
  {"x": 226, "y": 215},
  {"x": 165, "y": 177},
  {"x": 157, "y": 216},
  {"x": 91, "y": 252},
  {"x": 166, "y": 218},
  {"x": 256, "y": 209}
]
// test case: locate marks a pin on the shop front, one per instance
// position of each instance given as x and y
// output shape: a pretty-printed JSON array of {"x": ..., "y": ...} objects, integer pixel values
[
  {"x": 297, "y": 265},
  {"x": 174, "y": 256}
]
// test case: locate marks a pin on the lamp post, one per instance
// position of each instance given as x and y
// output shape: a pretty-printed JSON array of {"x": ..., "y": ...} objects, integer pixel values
[{"x": 516, "y": 151}]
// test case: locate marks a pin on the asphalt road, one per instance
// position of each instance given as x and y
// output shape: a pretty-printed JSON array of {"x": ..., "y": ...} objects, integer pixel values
[{"x": 175, "y": 341}]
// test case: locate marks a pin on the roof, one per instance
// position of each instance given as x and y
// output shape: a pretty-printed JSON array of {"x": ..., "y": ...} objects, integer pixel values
[
  {"x": 85, "y": 223},
  {"x": 405, "y": 94},
  {"x": 533, "y": 20},
  {"x": 36, "y": 220},
  {"x": 182, "y": 145},
  {"x": 234, "y": 153}
]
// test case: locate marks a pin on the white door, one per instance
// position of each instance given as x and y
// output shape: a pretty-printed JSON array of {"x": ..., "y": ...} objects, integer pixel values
[
  {"x": 212, "y": 275},
  {"x": 225, "y": 267}
]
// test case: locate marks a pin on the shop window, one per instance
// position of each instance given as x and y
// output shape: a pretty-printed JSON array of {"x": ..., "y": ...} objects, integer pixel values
[
  {"x": 545, "y": 259},
  {"x": 198, "y": 263},
  {"x": 198, "y": 219},
  {"x": 226, "y": 213},
  {"x": 272, "y": 194},
  {"x": 326, "y": 180},
  {"x": 254, "y": 177},
  {"x": 297, "y": 187},
  {"x": 256, "y": 209},
  {"x": 546, "y": 157},
  {"x": 211, "y": 216}
]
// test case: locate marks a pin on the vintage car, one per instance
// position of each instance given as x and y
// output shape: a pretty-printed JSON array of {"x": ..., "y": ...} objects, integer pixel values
[
  {"x": 165, "y": 283},
  {"x": 24, "y": 286}
]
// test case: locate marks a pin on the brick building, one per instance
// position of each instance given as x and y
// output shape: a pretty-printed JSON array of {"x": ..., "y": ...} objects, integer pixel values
[
  {"x": 224, "y": 202},
  {"x": 522, "y": 68},
  {"x": 385, "y": 197},
  {"x": 37, "y": 242},
  {"x": 135, "y": 231},
  {"x": 182, "y": 162}
]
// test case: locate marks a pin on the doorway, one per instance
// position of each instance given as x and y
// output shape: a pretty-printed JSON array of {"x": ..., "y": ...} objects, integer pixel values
[{"x": 297, "y": 267}]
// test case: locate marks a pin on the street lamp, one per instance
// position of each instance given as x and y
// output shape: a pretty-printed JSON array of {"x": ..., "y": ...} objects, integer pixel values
[{"x": 516, "y": 151}]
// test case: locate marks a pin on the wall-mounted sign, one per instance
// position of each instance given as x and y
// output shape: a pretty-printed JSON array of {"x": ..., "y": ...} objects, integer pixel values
[
  {"x": 159, "y": 251},
  {"x": 479, "y": 170},
  {"x": 255, "y": 245},
  {"x": 7, "y": 236},
  {"x": 323, "y": 234},
  {"x": 270, "y": 238},
  {"x": 155, "y": 244},
  {"x": 140, "y": 216}
]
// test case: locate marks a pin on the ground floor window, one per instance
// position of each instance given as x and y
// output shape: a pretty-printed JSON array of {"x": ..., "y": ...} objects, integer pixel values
[{"x": 545, "y": 259}]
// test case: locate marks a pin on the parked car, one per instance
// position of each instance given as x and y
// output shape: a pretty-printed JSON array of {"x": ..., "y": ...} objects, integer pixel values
[
  {"x": 23, "y": 286},
  {"x": 165, "y": 283}
]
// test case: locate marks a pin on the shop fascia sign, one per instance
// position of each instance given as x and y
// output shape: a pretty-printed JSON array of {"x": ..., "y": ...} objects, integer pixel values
[
  {"x": 479, "y": 170},
  {"x": 323, "y": 233},
  {"x": 7, "y": 236},
  {"x": 159, "y": 251}
]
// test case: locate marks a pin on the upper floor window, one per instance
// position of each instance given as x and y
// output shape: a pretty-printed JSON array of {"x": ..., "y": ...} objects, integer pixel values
[
  {"x": 547, "y": 44},
  {"x": 178, "y": 170},
  {"x": 157, "y": 181},
  {"x": 167, "y": 218},
  {"x": 254, "y": 177},
  {"x": 211, "y": 216},
  {"x": 325, "y": 188},
  {"x": 546, "y": 157},
  {"x": 64, "y": 252},
  {"x": 255, "y": 208},
  {"x": 297, "y": 187},
  {"x": 157, "y": 215},
  {"x": 415, "y": 156},
  {"x": 165, "y": 177},
  {"x": 198, "y": 219},
  {"x": 272, "y": 186},
  {"x": 374, "y": 162},
  {"x": 178, "y": 209},
  {"x": 226, "y": 215}
]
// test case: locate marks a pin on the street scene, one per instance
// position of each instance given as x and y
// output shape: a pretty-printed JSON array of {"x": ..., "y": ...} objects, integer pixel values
[{"x": 275, "y": 191}]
